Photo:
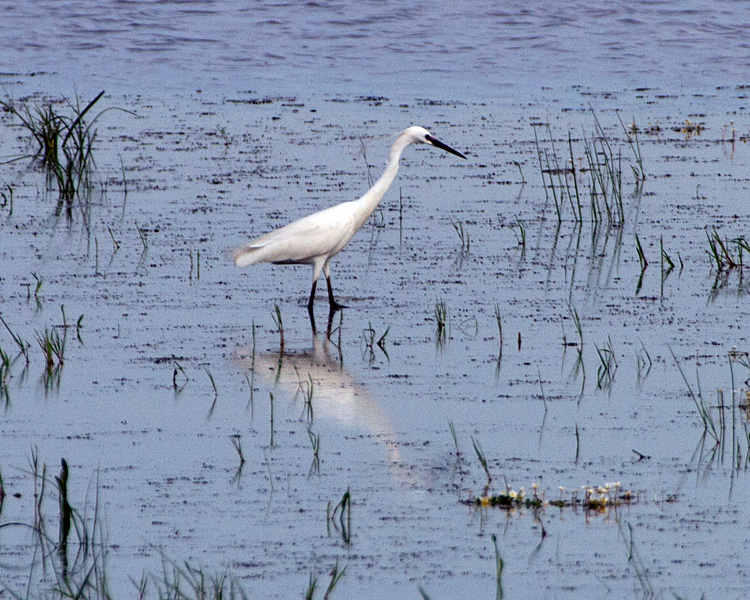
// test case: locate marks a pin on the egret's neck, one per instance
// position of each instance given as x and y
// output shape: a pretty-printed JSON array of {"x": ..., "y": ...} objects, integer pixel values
[{"x": 374, "y": 195}]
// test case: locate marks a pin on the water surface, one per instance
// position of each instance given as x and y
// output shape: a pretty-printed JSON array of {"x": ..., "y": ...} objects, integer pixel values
[{"x": 288, "y": 94}]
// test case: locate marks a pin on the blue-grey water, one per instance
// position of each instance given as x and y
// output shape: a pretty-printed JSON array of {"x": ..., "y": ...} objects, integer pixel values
[
  {"x": 243, "y": 116},
  {"x": 458, "y": 50}
]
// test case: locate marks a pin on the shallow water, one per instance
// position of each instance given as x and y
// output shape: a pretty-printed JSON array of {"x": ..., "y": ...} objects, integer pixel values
[
  {"x": 163, "y": 460},
  {"x": 235, "y": 131}
]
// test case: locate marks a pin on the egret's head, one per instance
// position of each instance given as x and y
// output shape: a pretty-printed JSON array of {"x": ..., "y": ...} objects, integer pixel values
[{"x": 422, "y": 136}]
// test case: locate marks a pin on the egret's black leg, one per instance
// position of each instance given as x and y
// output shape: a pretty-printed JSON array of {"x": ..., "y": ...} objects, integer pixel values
[
  {"x": 310, "y": 307},
  {"x": 334, "y": 306},
  {"x": 312, "y": 297},
  {"x": 329, "y": 329}
]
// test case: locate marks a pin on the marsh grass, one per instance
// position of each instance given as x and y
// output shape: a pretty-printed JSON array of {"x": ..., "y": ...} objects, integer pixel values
[
  {"x": 572, "y": 166},
  {"x": 440, "y": 314},
  {"x": 5, "y": 365},
  {"x": 344, "y": 511},
  {"x": 635, "y": 561},
  {"x": 251, "y": 378},
  {"x": 703, "y": 408},
  {"x": 606, "y": 176},
  {"x": 45, "y": 126},
  {"x": 315, "y": 443},
  {"x": 482, "y": 461},
  {"x": 423, "y": 593},
  {"x": 666, "y": 262},
  {"x": 143, "y": 235},
  {"x": 643, "y": 364},
  {"x": 546, "y": 169},
  {"x": 23, "y": 346},
  {"x": 64, "y": 144},
  {"x": 363, "y": 152},
  {"x": 452, "y": 429},
  {"x": 499, "y": 323},
  {"x": 499, "y": 565},
  {"x": 742, "y": 359},
  {"x": 279, "y": 322},
  {"x": 577, "y": 324},
  {"x": 236, "y": 440},
  {"x": 641, "y": 255},
  {"x": 213, "y": 383},
  {"x": 2, "y": 492},
  {"x": 312, "y": 585},
  {"x": 272, "y": 425},
  {"x": 368, "y": 335},
  {"x": 382, "y": 339},
  {"x": 370, "y": 339},
  {"x": 723, "y": 425},
  {"x": 195, "y": 264},
  {"x": 608, "y": 365},
  {"x": 521, "y": 235},
  {"x": 115, "y": 243},
  {"x": 463, "y": 235},
  {"x": 190, "y": 582},
  {"x": 579, "y": 366},
  {"x": 599, "y": 175},
  {"x": 73, "y": 565},
  {"x": 52, "y": 345},
  {"x": 65, "y": 513},
  {"x": 222, "y": 132},
  {"x": 541, "y": 389},
  {"x": 307, "y": 389},
  {"x": 81, "y": 537},
  {"x": 6, "y": 198},
  {"x": 458, "y": 467},
  {"x": 726, "y": 253},
  {"x": 631, "y": 135},
  {"x": 179, "y": 378},
  {"x": 37, "y": 289}
]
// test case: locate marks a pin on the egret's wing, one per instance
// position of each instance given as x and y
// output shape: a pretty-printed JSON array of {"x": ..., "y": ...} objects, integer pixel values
[{"x": 318, "y": 234}]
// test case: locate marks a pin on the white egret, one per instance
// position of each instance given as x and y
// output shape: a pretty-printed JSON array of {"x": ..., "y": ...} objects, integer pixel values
[{"x": 315, "y": 239}]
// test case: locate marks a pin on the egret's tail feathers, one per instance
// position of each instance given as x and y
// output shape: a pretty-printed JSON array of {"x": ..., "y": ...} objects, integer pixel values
[{"x": 247, "y": 255}]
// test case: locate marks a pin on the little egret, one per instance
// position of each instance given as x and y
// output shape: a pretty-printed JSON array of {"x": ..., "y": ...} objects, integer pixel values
[{"x": 315, "y": 239}]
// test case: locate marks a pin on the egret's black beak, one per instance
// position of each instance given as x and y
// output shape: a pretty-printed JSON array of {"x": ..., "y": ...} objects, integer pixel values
[{"x": 438, "y": 144}]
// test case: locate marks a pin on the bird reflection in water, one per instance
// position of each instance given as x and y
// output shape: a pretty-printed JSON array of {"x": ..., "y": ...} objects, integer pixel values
[{"x": 338, "y": 397}]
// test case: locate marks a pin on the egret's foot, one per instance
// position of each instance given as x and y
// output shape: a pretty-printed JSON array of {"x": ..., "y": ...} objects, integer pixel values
[
  {"x": 331, "y": 316},
  {"x": 335, "y": 306}
]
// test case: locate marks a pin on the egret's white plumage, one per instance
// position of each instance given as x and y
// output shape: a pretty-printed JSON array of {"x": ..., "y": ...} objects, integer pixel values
[{"x": 318, "y": 237}]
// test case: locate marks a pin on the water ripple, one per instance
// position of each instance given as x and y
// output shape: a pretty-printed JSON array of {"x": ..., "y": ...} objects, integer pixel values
[{"x": 374, "y": 44}]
